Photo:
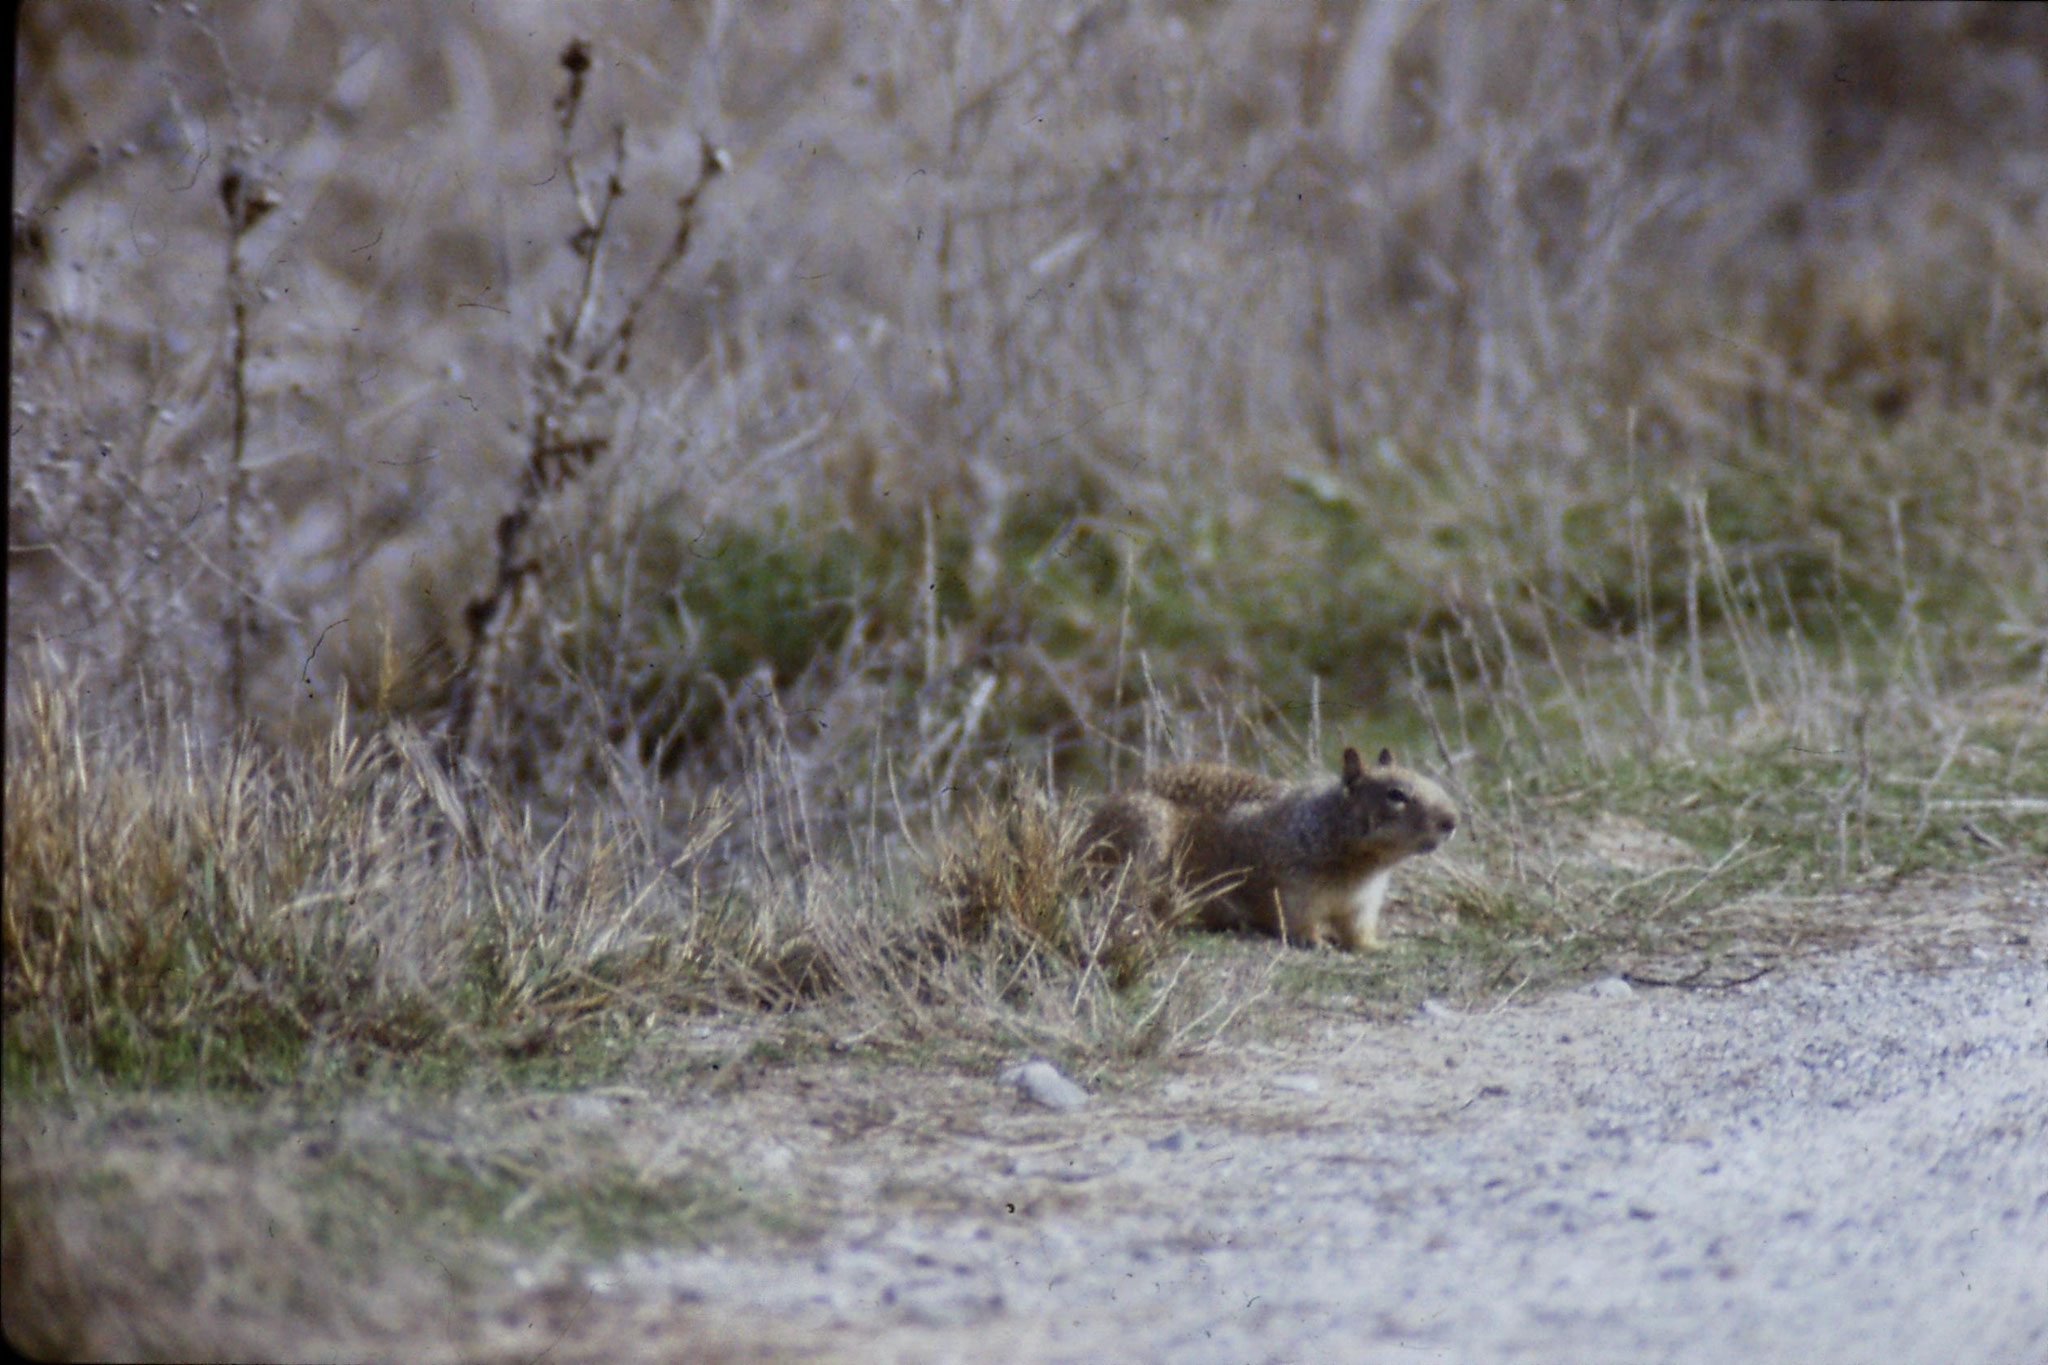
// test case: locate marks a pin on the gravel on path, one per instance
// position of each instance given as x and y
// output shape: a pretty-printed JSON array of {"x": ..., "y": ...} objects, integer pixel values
[{"x": 1844, "y": 1160}]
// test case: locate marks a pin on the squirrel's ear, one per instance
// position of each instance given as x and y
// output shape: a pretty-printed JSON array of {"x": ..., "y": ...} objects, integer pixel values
[
  {"x": 1386, "y": 758},
  {"x": 1354, "y": 771}
]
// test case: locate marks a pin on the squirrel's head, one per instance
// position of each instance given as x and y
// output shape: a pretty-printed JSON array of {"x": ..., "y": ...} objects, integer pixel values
[{"x": 1394, "y": 807}]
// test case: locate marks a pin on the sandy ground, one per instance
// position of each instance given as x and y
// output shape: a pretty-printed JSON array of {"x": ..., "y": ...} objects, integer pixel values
[{"x": 1845, "y": 1160}]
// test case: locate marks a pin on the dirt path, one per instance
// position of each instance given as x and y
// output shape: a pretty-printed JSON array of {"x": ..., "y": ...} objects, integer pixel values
[{"x": 1846, "y": 1159}]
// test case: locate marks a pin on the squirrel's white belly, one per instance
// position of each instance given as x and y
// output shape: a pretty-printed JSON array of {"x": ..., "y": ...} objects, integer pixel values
[
  {"x": 1366, "y": 902},
  {"x": 1348, "y": 915}
]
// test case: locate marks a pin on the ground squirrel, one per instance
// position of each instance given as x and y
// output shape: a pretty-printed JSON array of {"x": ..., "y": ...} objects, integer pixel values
[{"x": 1308, "y": 861}]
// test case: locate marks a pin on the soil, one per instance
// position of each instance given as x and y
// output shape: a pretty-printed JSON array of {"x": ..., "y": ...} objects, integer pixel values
[
  {"x": 1835, "y": 1149},
  {"x": 1844, "y": 1158}
]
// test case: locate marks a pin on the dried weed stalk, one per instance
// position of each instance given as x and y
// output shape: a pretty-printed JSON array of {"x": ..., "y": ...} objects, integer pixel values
[{"x": 572, "y": 396}]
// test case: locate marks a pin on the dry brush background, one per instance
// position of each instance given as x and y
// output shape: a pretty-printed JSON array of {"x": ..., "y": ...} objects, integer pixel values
[
  {"x": 1255, "y": 337},
  {"x": 636, "y": 470},
  {"x": 528, "y": 519}
]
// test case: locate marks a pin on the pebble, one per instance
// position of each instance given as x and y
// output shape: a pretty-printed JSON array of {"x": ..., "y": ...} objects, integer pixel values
[
  {"x": 1610, "y": 988},
  {"x": 1042, "y": 1083},
  {"x": 1303, "y": 1084}
]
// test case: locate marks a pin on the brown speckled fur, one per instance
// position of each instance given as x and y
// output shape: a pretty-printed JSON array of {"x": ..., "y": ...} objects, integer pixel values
[{"x": 1308, "y": 861}]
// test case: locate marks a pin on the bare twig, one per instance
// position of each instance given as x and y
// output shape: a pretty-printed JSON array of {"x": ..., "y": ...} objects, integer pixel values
[
  {"x": 246, "y": 202},
  {"x": 563, "y": 438}
]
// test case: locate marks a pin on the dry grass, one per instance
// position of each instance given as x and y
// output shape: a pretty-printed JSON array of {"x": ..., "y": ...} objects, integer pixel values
[
  {"x": 1641, "y": 387},
  {"x": 1018, "y": 868},
  {"x": 506, "y": 554},
  {"x": 180, "y": 1233},
  {"x": 179, "y": 913},
  {"x": 1246, "y": 343},
  {"x": 253, "y": 920}
]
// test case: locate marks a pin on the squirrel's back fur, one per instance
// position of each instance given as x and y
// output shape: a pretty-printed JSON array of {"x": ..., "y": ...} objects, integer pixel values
[{"x": 1308, "y": 861}]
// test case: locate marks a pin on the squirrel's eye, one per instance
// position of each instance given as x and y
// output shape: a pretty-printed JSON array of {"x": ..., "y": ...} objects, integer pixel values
[{"x": 1397, "y": 797}]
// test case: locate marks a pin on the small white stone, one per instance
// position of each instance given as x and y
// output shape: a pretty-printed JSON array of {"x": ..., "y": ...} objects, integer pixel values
[
  {"x": 1301, "y": 1083},
  {"x": 1610, "y": 988},
  {"x": 1042, "y": 1083}
]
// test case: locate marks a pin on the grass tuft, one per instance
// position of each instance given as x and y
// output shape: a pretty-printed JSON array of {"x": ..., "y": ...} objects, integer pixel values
[{"x": 1015, "y": 880}]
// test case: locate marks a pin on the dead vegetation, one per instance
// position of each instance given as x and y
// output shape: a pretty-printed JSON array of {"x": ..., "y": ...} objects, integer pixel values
[
  {"x": 179, "y": 1233},
  {"x": 473, "y": 612},
  {"x": 798, "y": 536}
]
